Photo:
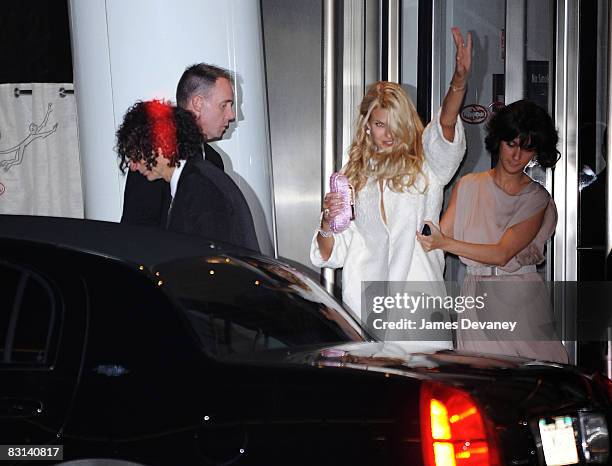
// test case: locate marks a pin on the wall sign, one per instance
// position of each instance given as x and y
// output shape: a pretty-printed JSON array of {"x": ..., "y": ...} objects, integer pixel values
[
  {"x": 474, "y": 114},
  {"x": 538, "y": 82},
  {"x": 495, "y": 107}
]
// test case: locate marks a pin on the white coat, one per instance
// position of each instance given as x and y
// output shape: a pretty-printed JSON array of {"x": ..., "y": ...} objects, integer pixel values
[{"x": 370, "y": 250}]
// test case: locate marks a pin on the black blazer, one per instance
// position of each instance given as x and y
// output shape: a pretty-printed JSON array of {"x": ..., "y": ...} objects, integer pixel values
[
  {"x": 147, "y": 202},
  {"x": 208, "y": 203}
]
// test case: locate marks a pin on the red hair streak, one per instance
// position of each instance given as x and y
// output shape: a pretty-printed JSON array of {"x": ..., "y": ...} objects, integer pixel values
[{"x": 163, "y": 127}]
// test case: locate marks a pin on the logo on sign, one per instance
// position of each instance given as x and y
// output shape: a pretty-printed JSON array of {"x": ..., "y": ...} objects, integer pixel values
[{"x": 474, "y": 114}]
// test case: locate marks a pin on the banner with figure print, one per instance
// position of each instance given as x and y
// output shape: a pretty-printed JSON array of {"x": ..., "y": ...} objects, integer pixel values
[{"x": 40, "y": 172}]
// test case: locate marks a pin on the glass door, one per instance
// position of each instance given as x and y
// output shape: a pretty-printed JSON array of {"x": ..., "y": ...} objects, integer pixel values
[
  {"x": 593, "y": 173},
  {"x": 513, "y": 59},
  {"x": 553, "y": 52}
]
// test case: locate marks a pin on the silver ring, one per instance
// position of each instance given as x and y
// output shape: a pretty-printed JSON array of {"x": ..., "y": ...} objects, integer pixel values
[
  {"x": 463, "y": 44},
  {"x": 325, "y": 213}
]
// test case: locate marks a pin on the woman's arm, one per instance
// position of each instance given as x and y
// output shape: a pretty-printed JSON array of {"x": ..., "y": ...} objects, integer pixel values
[
  {"x": 447, "y": 222},
  {"x": 326, "y": 244},
  {"x": 456, "y": 91},
  {"x": 514, "y": 240},
  {"x": 333, "y": 204}
]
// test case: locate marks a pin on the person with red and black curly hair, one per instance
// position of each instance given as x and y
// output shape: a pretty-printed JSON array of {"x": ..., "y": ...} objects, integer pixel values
[
  {"x": 156, "y": 126},
  {"x": 163, "y": 142},
  {"x": 207, "y": 92}
]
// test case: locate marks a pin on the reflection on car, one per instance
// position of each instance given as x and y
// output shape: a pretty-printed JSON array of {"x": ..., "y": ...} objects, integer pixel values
[{"x": 130, "y": 345}]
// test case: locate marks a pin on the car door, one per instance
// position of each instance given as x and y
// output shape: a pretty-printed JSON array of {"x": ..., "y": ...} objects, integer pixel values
[{"x": 42, "y": 328}]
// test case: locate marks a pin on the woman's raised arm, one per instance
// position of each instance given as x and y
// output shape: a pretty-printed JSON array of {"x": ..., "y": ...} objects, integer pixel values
[{"x": 451, "y": 105}]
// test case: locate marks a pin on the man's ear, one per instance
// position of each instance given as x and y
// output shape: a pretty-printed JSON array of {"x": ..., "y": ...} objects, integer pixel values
[{"x": 196, "y": 103}]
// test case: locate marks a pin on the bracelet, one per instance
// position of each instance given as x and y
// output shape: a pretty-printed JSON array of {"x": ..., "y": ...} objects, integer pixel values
[
  {"x": 321, "y": 231},
  {"x": 456, "y": 88}
]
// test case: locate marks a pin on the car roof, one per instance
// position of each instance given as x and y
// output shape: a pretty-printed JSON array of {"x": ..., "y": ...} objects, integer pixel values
[{"x": 138, "y": 244}]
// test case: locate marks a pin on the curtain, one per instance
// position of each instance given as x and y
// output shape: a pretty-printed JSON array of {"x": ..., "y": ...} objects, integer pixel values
[{"x": 40, "y": 171}]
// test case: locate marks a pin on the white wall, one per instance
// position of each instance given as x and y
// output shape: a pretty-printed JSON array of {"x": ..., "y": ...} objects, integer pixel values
[{"x": 128, "y": 50}]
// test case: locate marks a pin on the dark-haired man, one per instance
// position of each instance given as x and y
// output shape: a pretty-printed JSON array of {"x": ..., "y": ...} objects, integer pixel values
[{"x": 207, "y": 92}]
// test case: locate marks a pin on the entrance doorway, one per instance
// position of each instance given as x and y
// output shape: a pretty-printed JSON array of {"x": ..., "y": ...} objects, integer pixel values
[{"x": 554, "y": 52}]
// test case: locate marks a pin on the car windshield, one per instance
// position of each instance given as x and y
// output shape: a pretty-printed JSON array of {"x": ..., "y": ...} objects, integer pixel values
[{"x": 241, "y": 306}]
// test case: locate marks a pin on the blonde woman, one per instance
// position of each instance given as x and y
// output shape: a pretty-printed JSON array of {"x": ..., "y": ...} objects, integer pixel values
[{"x": 398, "y": 170}]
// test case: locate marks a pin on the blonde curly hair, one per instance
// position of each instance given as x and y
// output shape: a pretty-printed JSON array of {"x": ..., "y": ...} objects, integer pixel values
[{"x": 398, "y": 166}]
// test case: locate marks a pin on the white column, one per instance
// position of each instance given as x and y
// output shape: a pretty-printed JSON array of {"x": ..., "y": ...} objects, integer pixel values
[{"x": 124, "y": 51}]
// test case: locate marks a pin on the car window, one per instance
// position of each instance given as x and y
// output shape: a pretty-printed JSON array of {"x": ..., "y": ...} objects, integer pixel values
[
  {"x": 241, "y": 306},
  {"x": 29, "y": 313}
]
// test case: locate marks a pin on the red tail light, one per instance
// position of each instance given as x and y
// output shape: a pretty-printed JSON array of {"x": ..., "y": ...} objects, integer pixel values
[{"x": 453, "y": 430}]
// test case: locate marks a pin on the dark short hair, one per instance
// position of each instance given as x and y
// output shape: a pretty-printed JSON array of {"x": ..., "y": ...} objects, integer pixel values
[
  {"x": 531, "y": 124},
  {"x": 139, "y": 135},
  {"x": 199, "y": 78}
]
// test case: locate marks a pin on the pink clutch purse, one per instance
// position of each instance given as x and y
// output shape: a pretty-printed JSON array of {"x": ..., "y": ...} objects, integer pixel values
[{"x": 338, "y": 183}]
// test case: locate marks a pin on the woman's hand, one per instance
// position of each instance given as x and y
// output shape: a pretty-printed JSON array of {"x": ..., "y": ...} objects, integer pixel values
[
  {"x": 333, "y": 203},
  {"x": 463, "y": 57},
  {"x": 433, "y": 241}
]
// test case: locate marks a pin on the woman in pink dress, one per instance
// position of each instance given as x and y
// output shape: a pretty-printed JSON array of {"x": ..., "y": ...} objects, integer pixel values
[{"x": 498, "y": 223}]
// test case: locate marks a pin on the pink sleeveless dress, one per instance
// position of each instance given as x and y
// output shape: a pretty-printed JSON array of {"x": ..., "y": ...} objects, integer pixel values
[{"x": 515, "y": 292}]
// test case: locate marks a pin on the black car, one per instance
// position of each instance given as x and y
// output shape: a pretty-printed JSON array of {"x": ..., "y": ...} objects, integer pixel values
[{"x": 129, "y": 345}]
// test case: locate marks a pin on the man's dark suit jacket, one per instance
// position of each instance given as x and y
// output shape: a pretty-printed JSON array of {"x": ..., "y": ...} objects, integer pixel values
[
  {"x": 147, "y": 202},
  {"x": 207, "y": 202}
]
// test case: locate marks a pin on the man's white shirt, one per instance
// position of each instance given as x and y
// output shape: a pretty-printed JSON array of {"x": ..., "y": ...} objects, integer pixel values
[{"x": 175, "y": 178}]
